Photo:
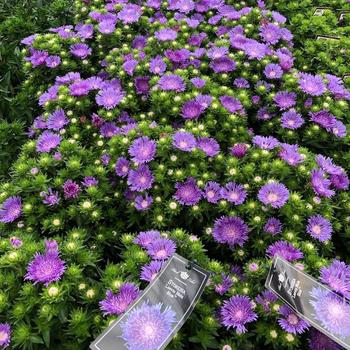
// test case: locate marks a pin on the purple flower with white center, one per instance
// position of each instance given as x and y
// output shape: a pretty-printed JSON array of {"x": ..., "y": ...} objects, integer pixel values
[
  {"x": 29, "y": 40},
  {"x": 231, "y": 104},
  {"x": 139, "y": 42},
  {"x": 270, "y": 33},
  {"x": 225, "y": 285},
  {"x": 148, "y": 326},
  {"x": 188, "y": 193},
  {"x": 241, "y": 83},
  {"x": 142, "y": 85},
  {"x": 51, "y": 198},
  {"x": 273, "y": 226},
  {"x": 263, "y": 114},
  {"x": 204, "y": 100},
  {"x": 37, "y": 57},
  {"x": 53, "y": 61},
  {"x": 109, "y": 129},
  {"x": 157, "y": 65},
  {"x": 45, "y": 268},
  {"x": 217, "y": 52},
  {"x": 11, "y": 209},
  {"x": 265, "y": 299},
  {"x": 332, "y": 311},
  {"x": 328, "y": 166},
  {"x": 57, "y": 120},
  {"x": 290, "y": 322},
  {"x": 320, "y": 341},
  {"x": 239, "y": 150},
  {"x": 273, "y": 71},
  {"x": 71, "y": 189},
  {"x": 234, "y": 193},
  {"x": 144, "y": 239},
  {"x": 80, "y": 50},
  {"x": 105, "y": 158},
  {"x": 319, "y": 228},
  {"x": 340, "y": 181},
  {"x": 178, "y": 56},
  {"x": 57, "y": 156},
  {"x": 150, "y": 271},
  {"x": 109, "y": 98},
  {"x": 85, "y": 31},
  {"x": 172, "y": 82},
  {"x": 265, "y": 142},
  {"x": 107, "y": 26},
  {"x": 230, "y": 230},
  {"x": 285, "y": 100},
  {"x": 79, "y": 88},
  {"x": 47, "y": 141},
  {"x": 320, "y": 184},
  {"x": 223, "y": 65},
  {"x": 166, "y": 34},
  {"x": 198, "y": 83},
  {"x": 185, "y": 141},
  {"x": 161, "y": 249},
  {"x": 292, "y": 120},
  {"x": 116, "y": 304},
  {"x": 143, "y": 203},
  {"x": 312, "y": 84},
  {"x": 122, "y": 167},
  {"x": 255, "y": 50},
  {"x": 274, "y": 194},
  {"x": 337, "y": 276},
  {"x": 209, "y": 146},
  {"x": 236, "y": 312},
  {"x": 143, "y": 150},
  {"x": 339, "y": 129},
  {"x": 212, "y": 192},
  {"x": 290, "y": 154},
  {"x": 140, "y": 179},
  {"x": 185, "y": 6},
  {"x": 130, "y": 13},
  {"x": 285, "y": 250},
  {"x": 89, "y": 181},
  {"x": 325, "y": 119},
  {"x": 5, "y": 335},
  {"x": 129, "y": 66},
  {"x": 191, "y": 109}
]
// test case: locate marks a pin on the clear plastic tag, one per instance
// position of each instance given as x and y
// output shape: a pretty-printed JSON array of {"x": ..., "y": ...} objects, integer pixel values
[
  {"x": 319, "y": 11},
  {"x": 311, "y": 300},
  {"x": 155, "y": 317}
]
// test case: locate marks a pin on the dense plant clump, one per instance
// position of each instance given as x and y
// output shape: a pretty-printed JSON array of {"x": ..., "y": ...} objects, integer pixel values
[{"x": 188, "y": 124}]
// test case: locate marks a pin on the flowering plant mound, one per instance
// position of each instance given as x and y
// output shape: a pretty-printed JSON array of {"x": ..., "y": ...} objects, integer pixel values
[{"x": 171, "y": 116}]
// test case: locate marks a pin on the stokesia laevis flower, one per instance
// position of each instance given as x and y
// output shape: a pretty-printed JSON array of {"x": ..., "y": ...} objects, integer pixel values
[
  {"x": 150, "y": 271},
  {"x": 80, "y": 50},
  {"x": 265, "y": 142},
  {"x": 116, "y": 304},
  {"x": 71, "y": 189},
  {"x": 166, "y": 34},
  {"x": 172, "y": 82},
  {"x": 51, "y": 198},
  {"x": 143, "y": 150},
  {"x": 45, "y": 268},
  {"x": 320, "y": 184},
  {"x": 331, "y": 311},
  {"x": 122, "y": 167},
  {"x": 273, "y": 71},
  {"x": 208, "y": 145},
  {"x": 89, "y": 181},
  {"x": 11, "y": 209},
  {"x": 144, "y": 239},
  {"x": 140, "y": 179},
  {"x": 265, "y": 299},
  {"x": 291, "y": 120},
  {"x": 57, "y": 120},
  {"x": 284, "y": 249},
  {"x": 290, "y": 154},
  {"x": 185, "y": 141},
  {"x": 188, "y": 193},
  {"x": 223, "y": 65},
  {"x": 239, "y": 150},
  {"x": 109, "y": 97},
  {"x": 337, "y": 276},
  {"x": 130, "y": 13},
  {"x": 147, "y": 326},
  {"x": 143, "y": 203},
  {"x": 212, "y": 192},
  {"x": 311, "y": 84},
  {"x": 192, "y": 109},
  {"x": 236, "y": 312},
  {"x": 320, "y": 341},
  {"x": 273, "y": 226},
  {"x": 225, "y": 285},
  {"x": 274, "y": 194},
  {"x": 319, "y": 227},
  {"x": 161, "y": 249},
  {"x": 285, "y": 99},
  {"x": 5, "y": 335},
  {"x": 327, "y": 165},
  {"x": 230, "y": 230},
  {"x": 290, "y": 322},
  {"x": 231, "y": 104},
  {"x": 234, "y": 193},
  {"x": 47, "y": 141}
]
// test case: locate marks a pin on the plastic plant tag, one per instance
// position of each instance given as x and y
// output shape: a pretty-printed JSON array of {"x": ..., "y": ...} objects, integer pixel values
[
  {"x": 327, "y": 37},
  {"x": 158, "y": 314},
  {"x": 319, "y": 11},
  {"x": 342, "y": 15},
  {"x": 311, "y": 300}
]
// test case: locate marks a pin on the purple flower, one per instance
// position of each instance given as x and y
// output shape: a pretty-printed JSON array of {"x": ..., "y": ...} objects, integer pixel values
[
  {"x": 11, "y": 209},
  {"x": 80, "y": 50},
  {"x": 140, "y": 179},
  {"x": 223, "y": 65},
  {"x": 51, "y": 198},
  {"x": 109, "y": 98},
  {"x": 144, "y": 239},
  {"x": 323, "y": 118},
  {"x": 47, "y": 141},
  {"x": 263, "y": 114},
  {"x": 143, "y": 150},
  {"x": 212, "y": 192},
  {"x": 184, "y": 141},
  {"x": 53, "y": 61},
  {"x": 188, "y": 193},
  {"x": 285, "y": 99},
  {"x": 265, "y": 299},
  {"x": 129, "y": 66},
  {"x": 122, "y": 167},
  {"x": 107, "y": 26},
  {"x": 157, "y": 65},
  {"x": 241, "y": 83},
  {"x": 217, "y": 52},
  {"x": 45, "y": 268},
  {"x": 231, "y": 104},
  {"x": 148, "y": 326},
  {"x": 57, "y": 120},
  {"x": 105, "y": 158},
  {"x": 270, "y": 33},
  {"x": 236, "y": 312},
  {"x": 332, "y": 311},
  {"x": 319, "y": 227},
  {"x": 37, "y": 57},
  {"x": 234, "y": 193},
  {"x": 16, "y": 242},
  {"x": 239, "y": 150},
  {"x": 291, "y": 120},
  {"x": 89, "y": 181},
  {"x": 5, "y": 335},
  {"x": 320, "y": 341},
  {"x": 273, "y": 71},
  {"x": 230, "y": 230},
  {"x": 274, "y": 194},
  {"x": 285, "y": 250},
  {"x": 209, "y": 146},
  {"x": 255, "y": 50},
  {"x": 71, "y": 189},
  {"x": 225, "y": 285},
  {"x": 161, "y": 249},
  {"x": 51, "y": 246},
  {"x": 166, "y": 34},
  {"x": 273, "y": 226},
  {"x": 143, "y": 202},
  {"x": 79, "y": 88},
  {"x": 290, "y": 154},
  {"x": 192, "y": 109},
  {"x": 150, "y": 271},
  {"x": 109, "y": 129},
  {"x": 311, "y": 84},
  {"x": 265, "y": 142},
  {"x": 116, "y": 304},
  {"x": 198, "y": 83},
  {"x": 130, "y": 13},
  {"x": 172, "y": 82},
  {"x": 337, "y": 276},
  {"x": 320, "y": 184},
  {"x": 290, "y": 322},
  {"x": 142, "y": 85},
  {"x": 328, "y": 166},
  {"x": 340, "y": 181}
]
